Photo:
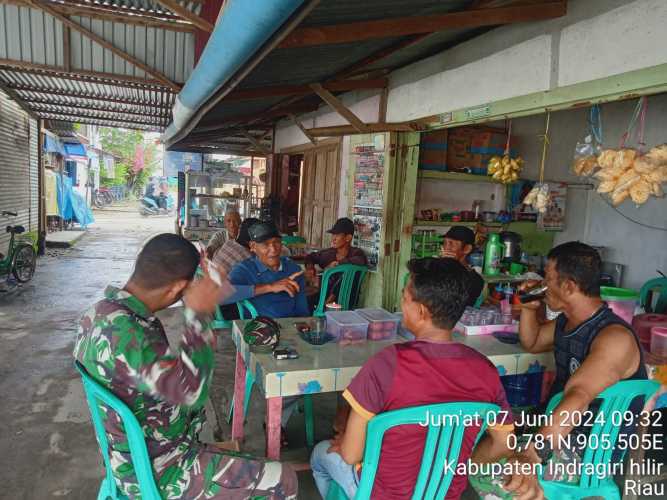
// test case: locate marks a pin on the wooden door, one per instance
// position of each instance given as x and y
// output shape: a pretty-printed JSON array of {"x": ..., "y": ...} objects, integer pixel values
[{"x": 319, "y": 193}]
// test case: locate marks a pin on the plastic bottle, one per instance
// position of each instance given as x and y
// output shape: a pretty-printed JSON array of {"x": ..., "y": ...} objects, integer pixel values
[{"x": 492, "y": 254}]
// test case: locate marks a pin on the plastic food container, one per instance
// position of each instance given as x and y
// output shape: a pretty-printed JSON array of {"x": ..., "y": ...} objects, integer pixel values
[
  {"x": 346, "y": 325},
  {"x": 643, "y": 323},
  {"x": 382, "y": 324},
  {"x": 401, "y": 330},
  {"x": 659, "y": 341},
  {"x": 621, "y": 300}
]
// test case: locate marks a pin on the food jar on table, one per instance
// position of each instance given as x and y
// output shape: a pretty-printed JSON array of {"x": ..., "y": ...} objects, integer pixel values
[
  {"x": 382, "y": 324},
  {"x": 346, "y": 326}
]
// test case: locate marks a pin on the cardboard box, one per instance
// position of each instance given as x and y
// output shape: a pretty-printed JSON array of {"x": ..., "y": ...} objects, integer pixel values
[
  {"x": 433, "y": 150},
  {"x": 470, "y": 148}
]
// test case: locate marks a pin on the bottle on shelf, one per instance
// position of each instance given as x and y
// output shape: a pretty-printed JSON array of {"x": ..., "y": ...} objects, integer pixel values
[{"x": 492, "y": 255}]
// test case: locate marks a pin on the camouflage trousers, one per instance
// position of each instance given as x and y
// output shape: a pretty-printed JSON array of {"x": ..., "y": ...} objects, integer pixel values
[
  {"x": 490, "y": 488},
  {"x": 207, "y": 472}
]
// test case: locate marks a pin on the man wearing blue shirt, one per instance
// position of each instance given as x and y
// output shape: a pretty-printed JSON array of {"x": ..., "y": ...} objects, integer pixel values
[{"x": 273, "y": 284}]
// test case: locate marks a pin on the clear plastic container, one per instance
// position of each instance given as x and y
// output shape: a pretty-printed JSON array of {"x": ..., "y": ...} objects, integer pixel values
[
  {"x": 382, "y": 324},
  {"x": 346, "y": 325},
  {"x": 621, "y": 300},
  {"x": 401, "y": 330}
]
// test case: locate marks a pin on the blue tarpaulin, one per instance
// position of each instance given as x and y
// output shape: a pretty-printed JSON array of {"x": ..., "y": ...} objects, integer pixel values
[
  {"x": 52, "y": 145},
  {"x": 75, "y": 149},
  {"x": 71, "y": 204}
]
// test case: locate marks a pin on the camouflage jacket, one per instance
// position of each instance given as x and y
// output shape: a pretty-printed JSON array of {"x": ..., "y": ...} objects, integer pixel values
[{"x": 125, "y": 348}]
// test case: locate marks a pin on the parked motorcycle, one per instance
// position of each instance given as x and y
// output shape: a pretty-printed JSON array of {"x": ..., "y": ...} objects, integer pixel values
[{"x": 162, "y": 205}]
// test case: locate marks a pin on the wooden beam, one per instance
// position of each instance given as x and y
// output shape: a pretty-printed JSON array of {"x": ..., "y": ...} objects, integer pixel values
[
  {"x": 380, "y": 54},
  {"x": 81, "y": 75},
  {"x": 382, "y": 111},
  {"x": 67, "y": 53},
  {"x": 340, "y": 108},
  {"x": 303, "y": 129},
  {"x": 19, "y": 87},
  {"x": 186, "y": 14},
  {"x": 104, "y": 43},
  {"x": 339, "y": 130},
  {"x": 125, "y": 16},
  {"x": 403, "y": 26},
  {"x": 253, "y": 140},
  {"x": 275, "y": 113},
  {"x": 301, "y": 90}
]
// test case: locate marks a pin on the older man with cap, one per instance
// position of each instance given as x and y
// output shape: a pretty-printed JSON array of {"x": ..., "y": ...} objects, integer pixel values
[
  {"x": 273, "y": 284},
  {"x": 341, "y": 252},
  {"x": 459, "y": 242}
]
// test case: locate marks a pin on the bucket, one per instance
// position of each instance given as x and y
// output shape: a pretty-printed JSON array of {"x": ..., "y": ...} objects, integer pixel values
[{"x": 621, "y": 300}]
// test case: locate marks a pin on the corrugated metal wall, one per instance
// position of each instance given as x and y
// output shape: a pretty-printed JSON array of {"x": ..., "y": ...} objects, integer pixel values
[
  {"x": 18, "y": 169},
  {"x": 31, "y": 35}
]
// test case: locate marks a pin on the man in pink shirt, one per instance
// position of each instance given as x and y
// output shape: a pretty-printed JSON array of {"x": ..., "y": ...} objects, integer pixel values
[{"x": 431, "y": 369}]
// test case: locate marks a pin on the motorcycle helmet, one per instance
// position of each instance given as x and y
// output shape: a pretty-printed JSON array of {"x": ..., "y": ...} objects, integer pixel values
[{"x": 262, "y": 334}]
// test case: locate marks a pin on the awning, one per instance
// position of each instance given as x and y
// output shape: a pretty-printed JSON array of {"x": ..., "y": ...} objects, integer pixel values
[
  {"x": 75, "y": 149},
  {"x": 52, "y": 145}
]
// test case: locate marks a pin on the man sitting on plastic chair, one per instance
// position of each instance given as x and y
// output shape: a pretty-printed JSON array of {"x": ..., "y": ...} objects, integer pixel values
[
  {"x": 593, "y": 349},
  {"x": 341, "y": 252},
  {"x": 123, "y": 346},
  {"x": 430, "y": 369}
]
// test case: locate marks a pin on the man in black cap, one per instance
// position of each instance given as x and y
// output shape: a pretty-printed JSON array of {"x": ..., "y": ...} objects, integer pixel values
[
  {"x": 273, "y": 284},
  {"x": 459, "y": 242},
  {"x": 341, "y": 252}
]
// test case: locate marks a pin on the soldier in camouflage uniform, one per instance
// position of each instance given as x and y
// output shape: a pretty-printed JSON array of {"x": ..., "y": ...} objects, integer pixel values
[{"x": 123, "y": 346}]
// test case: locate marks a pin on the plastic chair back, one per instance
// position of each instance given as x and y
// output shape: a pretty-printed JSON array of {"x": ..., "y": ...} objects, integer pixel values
[
  {"x": 143, "y": 469},
  {"x": 350, "y": 284},
  {"x": 615, "y": 400},
  {"x": 246, "y": 309},
  {"x": 659, "y": 286},
  {"x": 443, "y": 444}
]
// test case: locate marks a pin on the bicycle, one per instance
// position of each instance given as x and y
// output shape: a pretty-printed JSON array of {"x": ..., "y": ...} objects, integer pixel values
[{"x": 22, "y": 253}]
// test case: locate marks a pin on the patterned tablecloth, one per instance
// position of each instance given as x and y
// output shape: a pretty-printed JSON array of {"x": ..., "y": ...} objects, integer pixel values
[{"x": 331, "y": 367}]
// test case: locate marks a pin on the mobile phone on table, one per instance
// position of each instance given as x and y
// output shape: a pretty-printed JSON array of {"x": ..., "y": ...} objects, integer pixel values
[{"x": 285, "y": 353}]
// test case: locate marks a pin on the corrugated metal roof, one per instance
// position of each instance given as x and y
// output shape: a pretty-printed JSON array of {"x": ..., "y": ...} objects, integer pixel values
[
  {"x": 304, "y": 65},
  {"x": 301, "y": 65},
  {"x": 98, "y": 83}
]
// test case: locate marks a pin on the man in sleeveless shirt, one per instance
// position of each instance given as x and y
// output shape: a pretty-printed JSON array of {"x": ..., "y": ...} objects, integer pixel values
[{"x": 593, "y": 349}]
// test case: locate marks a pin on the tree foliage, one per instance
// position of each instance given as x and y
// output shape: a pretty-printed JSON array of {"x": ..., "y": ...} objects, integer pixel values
[{"x": 123, "y": 144}]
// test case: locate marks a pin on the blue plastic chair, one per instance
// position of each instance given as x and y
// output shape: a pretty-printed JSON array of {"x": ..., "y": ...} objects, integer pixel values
[
  {"x": 615, "y": 401},
  {"x": 350, "y": 284},
  {"x": 443, "y": 445},
  {"x": 659, "y": 286},
  {"x": 143, "y": 469}
]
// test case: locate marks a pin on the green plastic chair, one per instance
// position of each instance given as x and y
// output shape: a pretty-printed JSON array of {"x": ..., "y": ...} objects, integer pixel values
[
  {"x": 659, "y": 286},
  {"x": 143, "y": 469},
  {"x": 443, "y": 444},
  {"x": 288, "y": 240},
  {"x": 615, "y": 401},
  {"x": 352, "y": 277},
  {"x": 246, "y": 309}
]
